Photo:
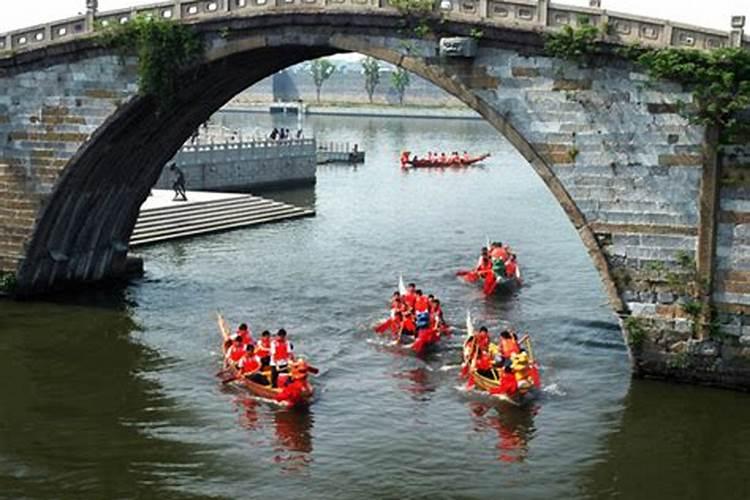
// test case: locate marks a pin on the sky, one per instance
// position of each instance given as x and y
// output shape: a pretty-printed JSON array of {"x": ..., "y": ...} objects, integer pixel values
[{"x": 714, "y": 13}]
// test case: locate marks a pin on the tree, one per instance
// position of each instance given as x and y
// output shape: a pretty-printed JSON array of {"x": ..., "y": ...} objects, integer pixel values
[
  {"x": 371, "y": 68},
  {"x": 400, "y": 81},
  {"x": 321, "y": 70}
]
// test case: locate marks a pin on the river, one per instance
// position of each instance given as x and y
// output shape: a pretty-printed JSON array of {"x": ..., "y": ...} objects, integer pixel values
[{"x": 113, "y": 394}]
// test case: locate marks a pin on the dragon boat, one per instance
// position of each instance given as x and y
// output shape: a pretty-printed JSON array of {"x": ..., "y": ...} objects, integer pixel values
[
  {"x": 518, "y": 384},
  {"x": 294, "y": 390}
]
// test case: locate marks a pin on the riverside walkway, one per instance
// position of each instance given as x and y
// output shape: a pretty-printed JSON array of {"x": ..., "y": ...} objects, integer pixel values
[{"x": 163, "y": 219}]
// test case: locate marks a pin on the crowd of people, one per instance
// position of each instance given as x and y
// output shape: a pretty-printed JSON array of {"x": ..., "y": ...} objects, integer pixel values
[
  {"x": 283, "y": 134},
  {"x": 497, "y": 261},
  {"x": 270, "y": 361},
  {"x": 415, "y": 318},
  {"x": 496, "y": 264},
  {"x": 505, "y": 363}
]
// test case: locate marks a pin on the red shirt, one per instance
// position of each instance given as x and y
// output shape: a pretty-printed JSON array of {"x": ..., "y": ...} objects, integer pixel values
[
  {"x": 235, "y": 352},
  {"x": 249, "y": 364},
  {"x": 281, "y": 352},
  {"x": 410, "y": 299},
  {"x": 247, "y": 337},
  {"x": 264, "y": 347},
  {"x": 421, "y": 304}
]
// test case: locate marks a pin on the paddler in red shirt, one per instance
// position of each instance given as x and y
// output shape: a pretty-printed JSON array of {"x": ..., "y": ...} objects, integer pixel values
[
  {"x": 250, "y": 366},
  {"x": 508, "y": 344},
  {"x": 421, "y": 303},
  {"x": 282, "y": 352},
  {"x": 235, "y": 352},
  {"x": 395, "y": 303},
  {"x": 484, "y": 264},
  {"x": 411, "y": 295},
  {"x": 511, "y": 268},
  {"x": 263, "y": 350},
  {"x": 244, "y": 332}
]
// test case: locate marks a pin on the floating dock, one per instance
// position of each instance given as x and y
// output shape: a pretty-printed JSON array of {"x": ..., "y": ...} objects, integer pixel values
[{"x": 162, "y": 219}]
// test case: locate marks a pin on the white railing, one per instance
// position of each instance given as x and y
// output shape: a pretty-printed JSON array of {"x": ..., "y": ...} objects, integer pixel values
[
  {"x": 246, "y": 145},
  {"x": 532, "y": 15}
]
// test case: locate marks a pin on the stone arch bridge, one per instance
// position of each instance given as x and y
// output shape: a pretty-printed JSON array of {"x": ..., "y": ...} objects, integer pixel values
[{"x": 645, "y": 189}]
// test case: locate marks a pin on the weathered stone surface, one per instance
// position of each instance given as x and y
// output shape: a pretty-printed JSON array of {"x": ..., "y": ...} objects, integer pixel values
[
  {"x": 80, "y": 151},
  {"x": 525, "y": 72},
  {"x": 680, "y": 160},
  {"x": 569, "y": 84}
]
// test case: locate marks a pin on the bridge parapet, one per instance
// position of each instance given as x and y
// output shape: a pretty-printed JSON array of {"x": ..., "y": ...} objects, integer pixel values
[{"x": 530, "y": 15}]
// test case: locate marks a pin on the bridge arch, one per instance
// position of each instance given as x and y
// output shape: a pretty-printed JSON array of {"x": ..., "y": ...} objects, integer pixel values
[
  {"x": 626, "y": 168},
  {"x": 82, "y": 231}
]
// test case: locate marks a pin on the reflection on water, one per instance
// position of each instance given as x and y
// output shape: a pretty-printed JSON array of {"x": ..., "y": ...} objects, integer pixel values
[
  {"x": 676, "y": 442},
  {"x": 417, "y": 382},
  {"x": 514, "y": 428},
  {"x": 117, "y": 397},
  {"x": 79, "y": 414},
  {"x": 291, "y": 445}
]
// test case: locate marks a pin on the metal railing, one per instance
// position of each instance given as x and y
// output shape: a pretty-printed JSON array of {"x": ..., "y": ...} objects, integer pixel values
[{"x": 531, "y": 15}]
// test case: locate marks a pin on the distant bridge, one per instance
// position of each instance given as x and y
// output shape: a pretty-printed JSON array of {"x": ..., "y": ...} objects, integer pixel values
[{"x": 645, "y": 189}]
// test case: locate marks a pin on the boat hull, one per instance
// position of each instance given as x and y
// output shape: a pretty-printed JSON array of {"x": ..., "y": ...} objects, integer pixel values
[
  {"x": 493, "y": 386},
  {"x": 439, "y": 164}
]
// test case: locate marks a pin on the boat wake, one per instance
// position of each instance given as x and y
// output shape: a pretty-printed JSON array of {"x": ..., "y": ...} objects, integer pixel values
[
  {"x": 554, "y": 390},
  {"x": 447, "y": 368}
]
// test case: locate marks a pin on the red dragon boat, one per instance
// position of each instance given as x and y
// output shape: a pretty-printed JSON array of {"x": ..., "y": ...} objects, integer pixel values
[
  {"x": 425, "y": 339},
  {"x": 295, "y": 393},
  {"x": 417, "y": 162},
  {"x": 517, "y": 385}
]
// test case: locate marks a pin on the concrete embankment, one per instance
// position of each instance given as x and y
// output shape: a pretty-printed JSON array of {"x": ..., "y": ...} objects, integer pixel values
[
  {"x": 441, "y": 113},
  {"x": 243, "y": 166}
]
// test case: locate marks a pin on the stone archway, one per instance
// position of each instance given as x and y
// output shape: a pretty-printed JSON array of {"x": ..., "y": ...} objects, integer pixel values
[{"x": 612, "y": 147}]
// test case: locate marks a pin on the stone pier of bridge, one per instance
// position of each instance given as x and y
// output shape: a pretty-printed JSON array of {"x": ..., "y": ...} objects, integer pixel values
[{"x": 662, "y": 208}]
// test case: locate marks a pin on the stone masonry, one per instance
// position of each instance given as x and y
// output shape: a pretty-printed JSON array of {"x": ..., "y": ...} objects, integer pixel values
[
  {"x": 232, "y": 166},
  {"x": 643, "y": 187}
]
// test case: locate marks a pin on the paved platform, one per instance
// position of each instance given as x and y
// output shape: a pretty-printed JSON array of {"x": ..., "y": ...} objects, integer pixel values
[
  {"x": 161, "y": 218},
  {"x": 164, "y": 198}
]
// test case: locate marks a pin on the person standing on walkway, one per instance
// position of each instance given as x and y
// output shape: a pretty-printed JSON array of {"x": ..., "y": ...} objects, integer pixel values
[{"x": 179, "y": 183}]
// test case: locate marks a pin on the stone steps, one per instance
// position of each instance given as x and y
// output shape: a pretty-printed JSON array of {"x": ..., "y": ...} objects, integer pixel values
[{"x": 200, "y": 218}]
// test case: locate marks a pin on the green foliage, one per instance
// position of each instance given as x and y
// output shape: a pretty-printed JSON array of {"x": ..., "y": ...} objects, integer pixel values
[
  {"x": 422, "y": 29},
  {"x": 7, "y": 282},
  {"x": 413, "y": 7},
  {"x": 400, "y": 81},
  {"x": 679, "y": 361},
  {"x": 371, "y": 68},
  {"x": 164, "y": 50},
  {"x": 636, "y": 332},
  {"x": 693, "y": 308},
  {"x": 685, "y": 260},
  {"x": 714, "y": 330},
  {"x": 321, "y": 70},
  {"x": 575, "y": 44},
  {"x": 656, "y": 267},
  {"x": 476, "y": 33},
  {"x": 720, "y": 81}
]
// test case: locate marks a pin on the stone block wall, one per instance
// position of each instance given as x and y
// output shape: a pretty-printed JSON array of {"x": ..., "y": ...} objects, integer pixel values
[
  {"x": 246, "y": 166},
  {"x": 46, "y": 114},
  {"x": 627, "y": 169}
]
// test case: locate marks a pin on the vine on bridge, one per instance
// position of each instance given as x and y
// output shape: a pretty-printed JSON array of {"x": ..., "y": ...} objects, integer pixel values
[
  {"x": 164, "y": 50},
  {"x": 719, "y": 79}
]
